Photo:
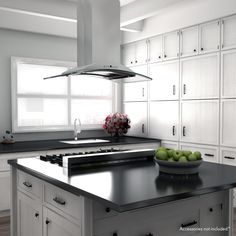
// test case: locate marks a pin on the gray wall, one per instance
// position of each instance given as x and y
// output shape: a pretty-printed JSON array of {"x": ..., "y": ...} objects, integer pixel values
[{"x": 22, "y": 44}]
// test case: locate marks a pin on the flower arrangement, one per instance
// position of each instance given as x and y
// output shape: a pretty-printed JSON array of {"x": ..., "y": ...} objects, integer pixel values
[{"x": 117, "y": 124}]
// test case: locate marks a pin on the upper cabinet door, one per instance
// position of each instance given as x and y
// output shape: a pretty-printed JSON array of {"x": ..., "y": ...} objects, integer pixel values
[
  {"x": 189, "y": 41},
  {"x": 128, "y": 54},
  {"x": 171, "y": 45},
  {"x": 229, "y": 32},
  {"x": 228, "y": 74},
  {"x": 209, "y": 37},
  {"x": 200, "y": 77},
  {"x": 141, "y": 52},
  {"x": 155, "y": 49},
  {"x": 165, "y": 83}
]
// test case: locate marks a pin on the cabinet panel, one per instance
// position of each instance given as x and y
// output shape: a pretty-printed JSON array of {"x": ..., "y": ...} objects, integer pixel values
[
  {"x": 189, "y": 41},
  {"x": 209, "y": 153},
  {"x": 200, "y": 121},
  {"x": 128, "y": 52},
  {"x": 155, "y": 49},
  {"x": 163, "y": 120},
  {"x": 228, "y": 32},
  {"x": 141, "y": 69},
  {"x": 165, "y": 83},
  {"x": 5, "y": 190},
  {"x": 136, "y": 91},
  {"x": 228, "y": 156},
  {"x": 141, "y": 52},
  {"x": 170, "y": 145},
  {"x": 30, "y": 216},
  {"x": 54, "y": 224},
  {"x": 209, "y": 36},
  {"x": 228, "y": 125},
  {"x": 137, "y": 112},
  {"x": 171, "y": 45},
  {"x": 228, "y": 71},
  {"x": 64, "y": 201},
  {"x": 200, "y": 77}
]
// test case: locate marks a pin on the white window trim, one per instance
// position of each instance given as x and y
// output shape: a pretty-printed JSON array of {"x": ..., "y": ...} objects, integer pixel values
[{"x": 14, "y": 96}]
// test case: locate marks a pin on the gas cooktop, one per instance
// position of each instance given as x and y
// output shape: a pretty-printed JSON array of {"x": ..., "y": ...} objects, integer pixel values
[{"x": 73, "y": 162}]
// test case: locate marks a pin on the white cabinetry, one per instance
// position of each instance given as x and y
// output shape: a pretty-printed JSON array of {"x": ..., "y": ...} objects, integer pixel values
[
  {"x": 5, "y": 190},
  {"x": 228, "y": 156},
  {"x": 56, "y": 225},
  {"x": 135, "y": 53},
  {"x": 209, "y": 153},
  {"x": 29, "y": 216},
  {"x": 228, "y": 124},
  {"x": 163, "y": 121},
  {"x": 228, "y": 33},
  {"x": 155, "y": 49},
  {"x": 209, "y": 36},
  {"x": 171, "y": 45},
  {"x": 200, "y": 77},
  {"x": 165, "y": 83},
  {"x": 170, "y": 144},
  {"x": 228, "y": 74},
  {"x": 135, "y": 91},
  {"x": 200, "y": 121},
  {"x": 189, "y": 41},
  {"x": 137, "y": 112}
]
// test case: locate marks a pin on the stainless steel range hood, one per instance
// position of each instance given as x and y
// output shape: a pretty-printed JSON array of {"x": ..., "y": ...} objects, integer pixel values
[{"x": 98, "y": 42}]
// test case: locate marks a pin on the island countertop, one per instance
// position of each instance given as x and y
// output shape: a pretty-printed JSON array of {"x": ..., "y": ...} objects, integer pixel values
[
  {"x": 42, "y": 145},
  {"x": 129, "y": 187}
]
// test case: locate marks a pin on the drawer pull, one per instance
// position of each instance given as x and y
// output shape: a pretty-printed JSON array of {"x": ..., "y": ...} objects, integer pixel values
[
  {"x": 150, "y": 234},
  {"x": 184, "y": 89},
  {"x": 115, "y": 234},
  {"x": 209, "y": 155},
  {"x": 231, "y": 158},
  {"x": 27, "y": 184},
  {"x": 173, "y": 130},
  {"x": 143, "y": 129},
  {"x": 189, "y": 224},
  {"x": 59, "y": 201},
  {"x": 184, "y": 131},
  {"x": 174, "y": 88}
]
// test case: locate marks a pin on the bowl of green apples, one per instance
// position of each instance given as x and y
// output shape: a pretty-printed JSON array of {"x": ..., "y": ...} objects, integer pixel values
[{"x": 179, "y": 162}]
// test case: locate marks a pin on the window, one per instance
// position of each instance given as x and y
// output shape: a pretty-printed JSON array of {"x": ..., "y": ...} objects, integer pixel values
[{"x": 52, "y": 105}]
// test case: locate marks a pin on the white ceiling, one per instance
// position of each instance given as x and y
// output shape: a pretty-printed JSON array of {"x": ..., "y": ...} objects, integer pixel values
[{"x": 125, "y": 2}]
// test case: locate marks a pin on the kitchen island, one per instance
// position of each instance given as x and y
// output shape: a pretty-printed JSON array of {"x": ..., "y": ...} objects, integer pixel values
[{"x": 126, "y": 200}]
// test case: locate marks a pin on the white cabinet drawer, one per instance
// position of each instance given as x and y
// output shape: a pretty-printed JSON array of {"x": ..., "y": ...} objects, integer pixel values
[
  {"x": 64, "y": 201},
  {"x": 30, "y": 184},
  {"x": 209, "y": 153},
  {"x": 228, "y": 156}
]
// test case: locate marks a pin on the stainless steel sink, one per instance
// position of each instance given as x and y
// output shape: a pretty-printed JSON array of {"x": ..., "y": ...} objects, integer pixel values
[{"x": 84, "y": 141}]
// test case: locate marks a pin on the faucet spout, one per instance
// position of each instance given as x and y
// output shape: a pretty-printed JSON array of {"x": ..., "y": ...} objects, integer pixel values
[{"x": 77, "y": 128}]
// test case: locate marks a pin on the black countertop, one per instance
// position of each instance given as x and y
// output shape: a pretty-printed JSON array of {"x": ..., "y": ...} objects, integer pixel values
[
  {"x": 43, "y": 145},
  {"x": 129, "y": 187}
]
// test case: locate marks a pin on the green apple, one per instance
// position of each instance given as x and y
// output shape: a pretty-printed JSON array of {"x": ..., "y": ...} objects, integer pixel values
[
  {"x": 170, "y": 152},
  {"x": 161, "y": 149},
  {"x": 183, "y": 159},
  {"x": 162, "y": 155},
  {"x": 177, "y": 154},
  {"x": 192, "y": 157},
  {"x": 187, "y": 153},
  {"x": 198, "y": 155},
  {"x": 171, "y": 159}
]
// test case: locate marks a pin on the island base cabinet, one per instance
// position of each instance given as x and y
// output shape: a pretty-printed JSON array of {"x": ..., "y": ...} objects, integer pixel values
[
  {"x": 172, "y": 219},
  {"x": 56, "y": 225},
  {"x": 29, "y": 216}
]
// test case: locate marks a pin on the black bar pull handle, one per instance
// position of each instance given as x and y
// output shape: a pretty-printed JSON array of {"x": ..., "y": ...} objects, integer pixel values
[
  {"x": 209, "y": 155},
  {"x": 184, "y": 131},
  {"x": 143, "y": 128},
  {"x": 189, "y": 224},
  {"x": 173, "y": 130},
  {"x": 59, "y": 201},
  {"x": 174, "y": 89},
  {"x": 230, "y": 158},
  {"x": 184, "y": 89},
  {"x": 27, "y": 184}
]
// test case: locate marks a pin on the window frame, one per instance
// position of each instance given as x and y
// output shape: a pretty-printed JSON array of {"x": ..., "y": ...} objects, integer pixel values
[{"x": 34, "y": 129}]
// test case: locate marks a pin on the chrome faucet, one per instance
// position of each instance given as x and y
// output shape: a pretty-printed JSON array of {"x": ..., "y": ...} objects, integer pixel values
[{"x": 77, "y": 128}]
